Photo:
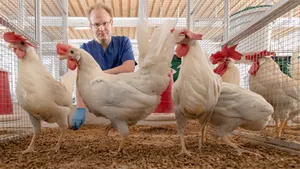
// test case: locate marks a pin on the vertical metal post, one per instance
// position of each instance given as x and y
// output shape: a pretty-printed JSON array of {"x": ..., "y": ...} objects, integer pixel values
[
  {"x": 269, "y": 27},
  {"x": 177, "y": 16},
  {"x": 190, "y": 16},
  {"x": 21, "y": 14},
  {"x": 38, "y": 24},
  {"x": 226, "y": 20},
  {"x": 143, "y": 9},
  {"x": 65, "y": 21},
  {"x": 64, "y": 10},
  {"x": 269, "y": 35}
]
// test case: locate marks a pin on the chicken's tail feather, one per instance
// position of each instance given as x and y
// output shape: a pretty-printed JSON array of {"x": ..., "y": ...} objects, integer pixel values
[
  {"x": 161, "y": 46},
  {"x": 68, "y": 80},
  {"x": 159, "y": 56},
  {"x": 142, "y": 37}
]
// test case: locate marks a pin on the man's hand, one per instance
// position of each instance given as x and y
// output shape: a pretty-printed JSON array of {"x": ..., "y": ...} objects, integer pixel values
[{"x": 78, "y": 118}]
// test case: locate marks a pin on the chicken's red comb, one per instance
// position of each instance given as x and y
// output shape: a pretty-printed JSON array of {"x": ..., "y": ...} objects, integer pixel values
[
  {"x": 12, "y": 37},
  {"x": 256, "y": 55},
  {"x": 216, "y": 57},
  {"x": 62, "y": 49},
  {"x": 226, "y": 52}
]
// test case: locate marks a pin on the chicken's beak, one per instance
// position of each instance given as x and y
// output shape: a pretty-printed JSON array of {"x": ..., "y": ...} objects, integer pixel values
[
  {"x": 62, "y": 57},
  {"x": 191, "y": 35},
  {"x": 178, "y": 35},
  {"x": 184, "y": 36},
  {"x": 10, "y": 46},
  {"x": 181, "y": 37}
]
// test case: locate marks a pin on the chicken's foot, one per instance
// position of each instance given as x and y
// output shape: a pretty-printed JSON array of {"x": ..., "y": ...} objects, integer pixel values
[
  {"x": 57, "y": 146},
  {"x": 37, "y": 129},
  {"x": 31, "y": 145},
  {"x": 121, "y": 146},
  {"x": 280, "y": 128},
  {"x": 183, "y": 148},
  {"x": 239, "y": 150}
]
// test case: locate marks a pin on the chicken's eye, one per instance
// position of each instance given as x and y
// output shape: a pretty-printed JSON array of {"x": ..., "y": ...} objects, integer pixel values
[
  {"x": 22, "y": 43},
  {"x": 72, "y": 51}
]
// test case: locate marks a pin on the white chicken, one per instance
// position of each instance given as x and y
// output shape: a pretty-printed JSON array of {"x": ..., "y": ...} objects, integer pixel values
[
  {"x": 294, "y": 69},
  {"x": 126, "y": 98},
  {"x": 143, "y": 45},
  {"x": 43, "y": 97},
  {"x": 239, "y": 107},
  {"x": 226, "y": 68},
  {"x": 197, "y": 89},
  {"x": 277, "y": 88}
]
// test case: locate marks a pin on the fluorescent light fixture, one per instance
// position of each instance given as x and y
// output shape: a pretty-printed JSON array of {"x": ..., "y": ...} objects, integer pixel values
[
  {"x": 81, "y": 27},
  {"x": 3, "y": 27}
]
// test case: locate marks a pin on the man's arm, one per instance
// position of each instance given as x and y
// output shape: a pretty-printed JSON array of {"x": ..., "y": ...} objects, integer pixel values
[
  {"x": 128, "y": 62},
  {"x": 127, "y": 66},
  {"x": 80, "y": 103}
]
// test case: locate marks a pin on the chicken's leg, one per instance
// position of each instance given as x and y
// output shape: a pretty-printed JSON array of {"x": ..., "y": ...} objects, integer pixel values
[
  {"x": 202, "y": 138},
  {"x": 107, "y": 128},
  {"x": 122, "y": 143},
  {"x": 63, "y": 126},
  {"x": 123, "y": 129},
  {"x": 239, "y": 150},
  {"x": 282, "y": 124},
  {"x": 277, "y": 122},
  {"x": 57, "y": 146},
  {"x": 181, "y": 123},
  {"x": 31, "y": 145},
  {"x": 183, "y": 148},
  {"x": 203, "y": 130},
  {"x": 284, "y": 127},
  {"x": 37, "y": 129}
]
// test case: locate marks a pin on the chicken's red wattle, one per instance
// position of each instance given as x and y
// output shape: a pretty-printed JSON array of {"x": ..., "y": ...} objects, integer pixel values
[
  {"x": 19, "y": 53},
  {"x": 222, "y": 68},
  {"x": 72, "y": 64},
  {"x": 182, "y": 50}
]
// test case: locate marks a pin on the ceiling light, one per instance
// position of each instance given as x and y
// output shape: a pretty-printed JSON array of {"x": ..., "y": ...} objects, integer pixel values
[{"x": 82, "y": 28}]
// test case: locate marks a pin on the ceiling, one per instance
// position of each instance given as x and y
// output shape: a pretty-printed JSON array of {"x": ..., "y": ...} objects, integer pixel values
[{"x": 210, "y": 12}]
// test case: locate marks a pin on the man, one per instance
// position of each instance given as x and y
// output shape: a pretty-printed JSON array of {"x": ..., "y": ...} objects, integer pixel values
[{"x": 113, "y": 53}]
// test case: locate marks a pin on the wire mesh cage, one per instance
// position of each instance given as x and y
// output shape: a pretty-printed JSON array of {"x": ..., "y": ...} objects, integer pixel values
[
  {"x": 14, "y": 121},
  {"x": 259, "y": 32},
  {"x": 53, "y": 32},
  {"x": 277, "y": 76},
  {"x": 208, "y": 21}
]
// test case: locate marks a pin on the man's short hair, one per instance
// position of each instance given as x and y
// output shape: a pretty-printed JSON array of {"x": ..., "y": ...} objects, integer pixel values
[{"x": 99, "y": 6}]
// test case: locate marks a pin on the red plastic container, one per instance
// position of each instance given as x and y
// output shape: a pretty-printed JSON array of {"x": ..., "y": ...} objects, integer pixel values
[
  {"x": 166, "y": 105},
  {"x": 6, "y": 106}
]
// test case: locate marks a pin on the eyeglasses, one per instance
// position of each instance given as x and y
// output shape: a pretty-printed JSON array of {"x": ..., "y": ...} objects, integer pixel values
[{"x": 104, "y": 24}]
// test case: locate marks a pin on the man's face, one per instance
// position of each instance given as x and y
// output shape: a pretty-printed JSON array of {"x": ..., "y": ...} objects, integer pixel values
[{"x": 101, "y": 24}]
